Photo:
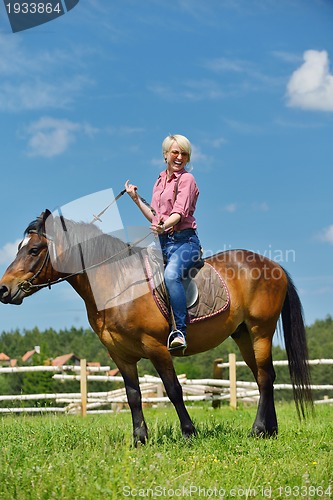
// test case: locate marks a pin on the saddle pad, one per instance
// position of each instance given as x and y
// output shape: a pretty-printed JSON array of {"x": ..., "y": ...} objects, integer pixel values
[{"x": 213, "y": 295}]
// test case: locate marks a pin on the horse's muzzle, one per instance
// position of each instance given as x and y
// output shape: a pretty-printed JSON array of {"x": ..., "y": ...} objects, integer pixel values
[
  {"x": 7, "y": 298},
  {"x": 4, "y": 294}
]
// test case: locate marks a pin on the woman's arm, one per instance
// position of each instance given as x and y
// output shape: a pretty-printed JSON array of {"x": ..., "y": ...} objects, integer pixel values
[
  {"x": 171, "y": 221},
  {"x": 132, "y": 191}
]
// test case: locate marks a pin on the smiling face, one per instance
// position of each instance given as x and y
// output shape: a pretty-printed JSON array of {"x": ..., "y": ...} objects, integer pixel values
[{"x": 176, "y": 158}]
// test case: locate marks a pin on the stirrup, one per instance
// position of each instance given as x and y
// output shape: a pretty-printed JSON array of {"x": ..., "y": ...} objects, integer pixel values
[{"x": 176, "y": 340}]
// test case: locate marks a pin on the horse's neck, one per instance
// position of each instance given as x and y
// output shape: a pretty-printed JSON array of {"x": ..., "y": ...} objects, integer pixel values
[{"x": 112, "y": 284}]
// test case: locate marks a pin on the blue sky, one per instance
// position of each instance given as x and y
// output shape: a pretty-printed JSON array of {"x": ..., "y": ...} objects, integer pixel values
[{"x": 86, "y": 100}]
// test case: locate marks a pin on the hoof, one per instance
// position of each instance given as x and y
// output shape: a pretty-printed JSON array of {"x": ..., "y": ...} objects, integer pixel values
[
  {"x": 189, "y": 432},
  {"x": 140, "y": 437},
  {"x": 257, "y": 432},
  {"x": 140, "y": 442}
]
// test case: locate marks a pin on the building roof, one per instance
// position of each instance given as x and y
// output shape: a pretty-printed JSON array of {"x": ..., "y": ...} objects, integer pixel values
[
  {"x": 113, "y": 372},
  {"x": 95, "y": 364},
  {"x": 28, "y": 355},
  {"x": 62, "y": 360},
  {"x": 4, "y": 357}
]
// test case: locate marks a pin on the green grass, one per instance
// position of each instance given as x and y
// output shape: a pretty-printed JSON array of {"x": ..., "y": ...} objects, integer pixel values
[{"x": 69, "y": 457}]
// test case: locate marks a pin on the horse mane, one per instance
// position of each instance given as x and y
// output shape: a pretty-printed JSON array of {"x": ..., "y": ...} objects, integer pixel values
[
  {"x": 83, "y": 244},
  {"x": 36, "y": 226}
]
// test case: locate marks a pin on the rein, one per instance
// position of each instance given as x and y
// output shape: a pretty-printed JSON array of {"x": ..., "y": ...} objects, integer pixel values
[
  {"x": 27, "y": 286},
  {"x": 98, "y": 216}
]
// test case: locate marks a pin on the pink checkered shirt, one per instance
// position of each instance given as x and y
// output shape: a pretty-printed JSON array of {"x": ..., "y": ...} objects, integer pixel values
[{"x": 179, "y": 195}]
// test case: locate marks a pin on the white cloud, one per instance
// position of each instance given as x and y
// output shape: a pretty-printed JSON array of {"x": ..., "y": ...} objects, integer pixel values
[
  {"x": 201, "y": 161},
  {"x": 311, "y": 85},
  {"x": 282, "y": 122},
  {"x": 256, "y": 207},
  {"x": 287, "y": 57},
  {"x": 211, "y": 146},
  {"x": 124, "y": 130},
  {"x": 222, "y": 64},
  {"x": 245, "y": 128},
  {"x": 8, "y": 252},
  {"x": 197, "y": 155},
  {"x": 10, "y": 51},
  {"x": 37, "y": 94},
  {"x": 326, "y": 235},
  {"x": 50, "y": 137},
  {"x": 50, "y": 79},
  {"x": 250, "y": 74},
  {"x": 190, "y": 90},
  {"x": 218, "y": 142},
  {"x": 260, "y": 206},
  {"x": 231, "y": 208}
]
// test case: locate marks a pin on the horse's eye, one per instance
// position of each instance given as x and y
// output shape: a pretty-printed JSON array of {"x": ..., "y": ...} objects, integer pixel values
[{"x": 34, "y": 251}]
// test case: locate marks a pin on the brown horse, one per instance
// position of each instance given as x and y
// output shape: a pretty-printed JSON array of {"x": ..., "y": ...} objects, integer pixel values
[{"x": 134, "y": 328}]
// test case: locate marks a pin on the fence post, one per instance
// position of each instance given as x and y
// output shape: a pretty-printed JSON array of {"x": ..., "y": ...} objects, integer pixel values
[
  {"x": 232, "y": 379},
  {"x": 217, "y": 373},
  {"x": 83, "y": 386}
]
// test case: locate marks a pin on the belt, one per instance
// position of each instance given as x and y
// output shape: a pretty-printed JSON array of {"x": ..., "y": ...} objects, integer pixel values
[
  {"x": 190, "y": 229},
  {"x": 171, "y": 233}
]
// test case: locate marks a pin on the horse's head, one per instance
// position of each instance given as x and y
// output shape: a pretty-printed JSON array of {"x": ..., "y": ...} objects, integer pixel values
[
  {"x": 55, "y": 249},
  {"x": 31, "y": 265}
]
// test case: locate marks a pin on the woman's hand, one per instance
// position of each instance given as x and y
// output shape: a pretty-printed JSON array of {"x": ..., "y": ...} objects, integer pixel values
[
  {"x": 132, "y": 191},
  {"x": 158, "y": 229}
]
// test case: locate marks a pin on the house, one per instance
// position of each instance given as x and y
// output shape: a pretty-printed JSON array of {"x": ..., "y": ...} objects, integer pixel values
[
  {"x": 113, "y": 373},
  {"x": 92, "y": 364},
  {"x": 28, "y": 356},
  {"x": 4, "y": 359},
  {"x": 66, "y": 359}
]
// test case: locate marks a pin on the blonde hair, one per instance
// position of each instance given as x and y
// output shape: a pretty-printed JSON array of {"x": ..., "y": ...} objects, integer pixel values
[{"x": 181, "y": 140}]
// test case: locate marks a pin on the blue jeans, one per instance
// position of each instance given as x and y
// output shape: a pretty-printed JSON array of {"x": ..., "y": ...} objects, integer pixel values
[{"x": 181, "y": 252}]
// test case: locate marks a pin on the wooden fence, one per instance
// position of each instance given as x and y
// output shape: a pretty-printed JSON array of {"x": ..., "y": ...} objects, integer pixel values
[
  {"x": 238, "y": 388},
  {"x": 214, "y": 390}
]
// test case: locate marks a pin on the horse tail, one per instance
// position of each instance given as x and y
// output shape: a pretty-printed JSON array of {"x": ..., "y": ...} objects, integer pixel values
[{"x": 296, "y": 347}]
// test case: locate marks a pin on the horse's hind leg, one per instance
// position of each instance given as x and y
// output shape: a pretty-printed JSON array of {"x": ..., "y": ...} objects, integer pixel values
[
  {"x": 256, "y": 350},
  {"x": 162, "y": 361},
  {"x": 265, "y": 422}
]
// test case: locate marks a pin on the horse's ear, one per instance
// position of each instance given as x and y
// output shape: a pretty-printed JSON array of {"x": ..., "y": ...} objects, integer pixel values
[
  {"x": 47, "y": 219},
  {"x": 45, "y": 214}
]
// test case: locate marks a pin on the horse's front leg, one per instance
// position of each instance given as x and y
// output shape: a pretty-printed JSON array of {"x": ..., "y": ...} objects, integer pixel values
[
  {"x": 163, "y": 363},
  {"x": 129, "y": 373}
]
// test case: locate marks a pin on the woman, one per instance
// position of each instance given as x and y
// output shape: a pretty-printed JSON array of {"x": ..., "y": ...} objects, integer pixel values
[{"x": 175, "y": 194}]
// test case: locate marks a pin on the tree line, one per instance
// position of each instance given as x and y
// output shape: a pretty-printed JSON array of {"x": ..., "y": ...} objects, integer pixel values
[{"x": 84, "y": 343}]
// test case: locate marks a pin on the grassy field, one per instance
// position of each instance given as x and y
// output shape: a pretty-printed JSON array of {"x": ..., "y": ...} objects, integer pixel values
[{"x": 69, "y": 457}]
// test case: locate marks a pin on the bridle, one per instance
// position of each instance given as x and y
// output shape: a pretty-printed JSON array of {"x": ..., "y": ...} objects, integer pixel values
[{"x": 28, "y": 287}]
